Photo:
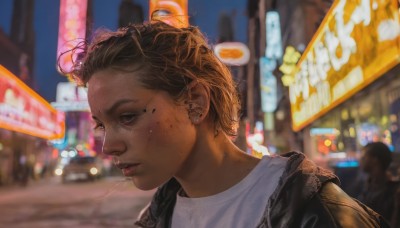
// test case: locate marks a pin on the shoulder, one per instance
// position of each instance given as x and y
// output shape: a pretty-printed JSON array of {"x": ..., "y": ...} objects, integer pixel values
[{"x": 334, "y": 205}]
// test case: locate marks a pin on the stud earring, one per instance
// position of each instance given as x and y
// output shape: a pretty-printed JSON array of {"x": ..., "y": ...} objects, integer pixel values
[{"x": 196, "y": 118}]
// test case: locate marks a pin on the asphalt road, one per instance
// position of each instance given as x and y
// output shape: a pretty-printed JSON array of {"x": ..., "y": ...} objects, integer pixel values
[{"x": 110, "y": 202}]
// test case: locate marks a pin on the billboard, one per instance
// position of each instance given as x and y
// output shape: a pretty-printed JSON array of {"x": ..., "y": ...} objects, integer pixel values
[
  {"x": 23, "y": 110},
  {"x": 71, "y": 31},
  {"x": 357, "y": 42}
]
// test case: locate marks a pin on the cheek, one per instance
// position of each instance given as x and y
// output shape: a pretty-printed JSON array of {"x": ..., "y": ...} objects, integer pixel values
[
  {"x": 171, "y": 136},
  {"x": 168, "y": 124}
]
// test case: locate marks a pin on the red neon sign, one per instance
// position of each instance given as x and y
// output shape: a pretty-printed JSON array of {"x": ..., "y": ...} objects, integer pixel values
[{"x": 23, "y": 110}]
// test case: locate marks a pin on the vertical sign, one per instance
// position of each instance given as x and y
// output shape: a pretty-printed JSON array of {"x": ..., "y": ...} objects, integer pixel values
[
  {"x": 268, "y": 85},
  {"x": 71, "y": 31},
  {"x": 273, "y": 48},
  {"x": 172, "y": 12}
]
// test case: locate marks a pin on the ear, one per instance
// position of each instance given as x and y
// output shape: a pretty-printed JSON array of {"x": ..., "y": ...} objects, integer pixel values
[{"x": 198, "y": 101}]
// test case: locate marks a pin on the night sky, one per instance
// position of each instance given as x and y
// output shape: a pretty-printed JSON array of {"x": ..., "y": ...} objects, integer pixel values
[{"x": 205, "y": 14}]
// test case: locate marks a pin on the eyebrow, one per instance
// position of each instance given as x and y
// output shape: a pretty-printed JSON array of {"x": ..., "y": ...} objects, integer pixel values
[{"x": 116, "y": 105}]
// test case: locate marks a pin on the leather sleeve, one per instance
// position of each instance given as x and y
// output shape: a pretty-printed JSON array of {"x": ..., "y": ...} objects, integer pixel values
[{"x": 332, "y": 207}]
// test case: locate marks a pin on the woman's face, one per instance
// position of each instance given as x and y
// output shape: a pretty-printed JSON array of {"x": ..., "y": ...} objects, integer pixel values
[{"x": 149, "y": 135}]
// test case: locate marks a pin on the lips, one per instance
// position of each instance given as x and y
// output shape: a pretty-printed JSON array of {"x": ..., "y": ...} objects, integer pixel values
[{"x": 128, "y": 169}]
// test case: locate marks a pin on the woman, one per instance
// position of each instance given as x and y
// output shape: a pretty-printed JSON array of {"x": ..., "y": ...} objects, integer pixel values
[{"x": 168, "y": 109}]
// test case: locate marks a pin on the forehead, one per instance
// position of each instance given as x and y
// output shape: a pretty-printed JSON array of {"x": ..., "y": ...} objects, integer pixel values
[
  {"x": 106, "y": 77},
  {"x": 108, "y": 85}
]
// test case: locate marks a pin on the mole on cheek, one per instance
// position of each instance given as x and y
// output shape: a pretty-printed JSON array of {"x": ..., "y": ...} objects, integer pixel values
[
  {"x": 154, "y": 110},
  {"x": 144, "y": 110}
]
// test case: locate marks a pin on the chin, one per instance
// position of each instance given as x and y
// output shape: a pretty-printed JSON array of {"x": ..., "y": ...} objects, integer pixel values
[{"x": 144, "y": 185}]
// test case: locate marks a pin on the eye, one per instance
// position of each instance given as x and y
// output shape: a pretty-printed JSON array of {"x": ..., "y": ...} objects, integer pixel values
[
  {"x": 98, "y": 126},
  {"x": 127, "y": 118}
]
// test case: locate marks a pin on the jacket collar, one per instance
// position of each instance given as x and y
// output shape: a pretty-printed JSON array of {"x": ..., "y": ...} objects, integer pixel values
[{"x": 300, "y": 181}]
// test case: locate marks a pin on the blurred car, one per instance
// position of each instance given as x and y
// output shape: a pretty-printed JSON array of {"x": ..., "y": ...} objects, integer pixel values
[{"x": 82, "y": 168}]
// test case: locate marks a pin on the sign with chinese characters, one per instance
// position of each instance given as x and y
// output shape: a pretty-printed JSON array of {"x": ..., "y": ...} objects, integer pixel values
[
  {"x": 172, "y": 12},
  {"x": 71, "y": 31},
  {"x": 357, "y": 42},
  {"x": 23, "y": 110}
]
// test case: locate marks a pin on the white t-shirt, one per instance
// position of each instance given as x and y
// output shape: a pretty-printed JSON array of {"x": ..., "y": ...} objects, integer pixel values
[{"x": 240, "y": 206}]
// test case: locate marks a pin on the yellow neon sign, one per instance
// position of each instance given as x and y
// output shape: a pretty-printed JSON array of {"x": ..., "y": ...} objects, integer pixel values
[{"x": 358, "y": 41}]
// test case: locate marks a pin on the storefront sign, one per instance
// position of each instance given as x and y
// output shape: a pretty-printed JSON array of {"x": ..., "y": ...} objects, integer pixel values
[
  {"x": 23, "y": 110},
  {"x": 71, "y": 31},
  {"x": 232, "y": 53},
  {"x": 357, "y": 42},
  {"x": 172, "y": 12}
]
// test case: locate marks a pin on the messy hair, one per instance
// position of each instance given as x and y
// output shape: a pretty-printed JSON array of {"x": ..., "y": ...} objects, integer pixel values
[{"x": 168, "y": 59}]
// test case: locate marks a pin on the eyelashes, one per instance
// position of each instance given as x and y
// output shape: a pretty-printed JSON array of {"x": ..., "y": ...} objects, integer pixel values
[
  {"x": 98, "y": 126},
  {"x": 127, "y": 119}
]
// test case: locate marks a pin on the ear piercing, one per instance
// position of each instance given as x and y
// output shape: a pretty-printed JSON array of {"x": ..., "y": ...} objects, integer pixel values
[
  {"x": 196, "y": 119},
  {"x": 195, "y": 113}
]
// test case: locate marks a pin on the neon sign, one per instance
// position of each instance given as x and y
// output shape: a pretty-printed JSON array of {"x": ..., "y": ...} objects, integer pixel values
[
  {"x": 273, "y": 48},
  {"x": 23, "y": 110},
  {"x": 172, "y": 12},
  {"x": 71, "y": 31},
  {"x": 268, "y": 83},
  {"x": 232, "y": 53},
  {"x": 357, "y": 42}
]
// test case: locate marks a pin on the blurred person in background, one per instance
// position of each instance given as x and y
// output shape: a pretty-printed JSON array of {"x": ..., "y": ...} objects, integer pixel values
[
  {"x": 380, "y": 192},
  {"x": 168, "y": 109}
]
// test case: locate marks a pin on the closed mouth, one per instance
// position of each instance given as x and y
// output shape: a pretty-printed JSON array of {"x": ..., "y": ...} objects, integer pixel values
[
  {"x": 126, "y": 165},
  {"x": 128, "y": 169}
]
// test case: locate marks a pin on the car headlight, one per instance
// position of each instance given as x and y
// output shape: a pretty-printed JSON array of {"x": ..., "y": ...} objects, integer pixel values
[
  {"x": 58, "y": 171},
  {"x": 93, "y": 171}
]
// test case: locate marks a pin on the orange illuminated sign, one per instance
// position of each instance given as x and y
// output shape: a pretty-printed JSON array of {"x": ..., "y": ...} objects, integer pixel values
[
  {"x": 172, "y": 12},
  {"x": 23, "y": 110},
  {"x": 232, "y": 53},
  {"x": 357, "y": 42}
]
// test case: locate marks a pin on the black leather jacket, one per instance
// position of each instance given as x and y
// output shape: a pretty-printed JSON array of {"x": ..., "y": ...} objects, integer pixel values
[{"x": 306, "y": 196}]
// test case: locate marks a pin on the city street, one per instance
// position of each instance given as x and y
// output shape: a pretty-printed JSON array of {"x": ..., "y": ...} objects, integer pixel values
[{"x": 110, "y": 202}]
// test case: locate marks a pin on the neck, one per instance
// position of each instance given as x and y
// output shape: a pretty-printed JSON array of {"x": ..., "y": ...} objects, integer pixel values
[{"x": 214, "y": 166}]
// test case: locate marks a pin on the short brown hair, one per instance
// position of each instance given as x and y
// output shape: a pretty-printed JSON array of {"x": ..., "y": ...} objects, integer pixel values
[{"x": 171, "y": 58}]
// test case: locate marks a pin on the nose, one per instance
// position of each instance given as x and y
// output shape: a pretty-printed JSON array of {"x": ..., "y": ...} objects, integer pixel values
[{"x": 113, "y": 145}]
